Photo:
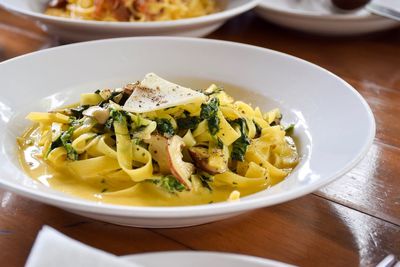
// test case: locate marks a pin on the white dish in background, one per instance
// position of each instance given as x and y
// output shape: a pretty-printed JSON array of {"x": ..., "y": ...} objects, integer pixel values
[
  {"x": 319, "y": 17},
  {"x": 334, "y": 125},
  {"x": 83, "y": 30},
  {"x": 200, "y": 259}
]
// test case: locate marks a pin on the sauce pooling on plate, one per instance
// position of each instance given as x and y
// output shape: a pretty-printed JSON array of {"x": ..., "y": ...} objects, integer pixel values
[{"x": 156, "y": 143}]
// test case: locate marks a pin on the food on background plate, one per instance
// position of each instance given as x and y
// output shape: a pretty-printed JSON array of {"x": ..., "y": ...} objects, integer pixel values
[
  {"x": 156, "y": 143},
  {"x": 130, "y": 10}
]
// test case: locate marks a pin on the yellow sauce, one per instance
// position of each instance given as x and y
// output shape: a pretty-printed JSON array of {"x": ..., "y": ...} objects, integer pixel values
[{"x": 100, "y": 189}]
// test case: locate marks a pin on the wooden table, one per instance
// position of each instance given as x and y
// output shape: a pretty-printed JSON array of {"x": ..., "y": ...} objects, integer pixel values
[{"x": 353, "y": 221}]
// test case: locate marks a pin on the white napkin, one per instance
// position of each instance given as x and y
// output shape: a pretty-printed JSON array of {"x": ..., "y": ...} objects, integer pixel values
[{"x": 52, "y": 248}]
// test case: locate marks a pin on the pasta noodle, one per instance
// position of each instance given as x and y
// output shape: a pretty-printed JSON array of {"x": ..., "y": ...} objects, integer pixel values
[
  {"x": 131, "y": 10},
  {"x": 194, "y": 153}
]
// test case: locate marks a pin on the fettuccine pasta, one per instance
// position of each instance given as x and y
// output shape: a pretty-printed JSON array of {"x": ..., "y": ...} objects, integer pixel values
[
  {"x": 131, "y": 10},
  {"x": 208, "y": 148}
]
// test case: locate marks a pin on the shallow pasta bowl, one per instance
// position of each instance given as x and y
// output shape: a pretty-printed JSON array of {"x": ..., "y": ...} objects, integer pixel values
[
  {"x": 323, "y": 107},
  {"x": 83, "y": 30}
]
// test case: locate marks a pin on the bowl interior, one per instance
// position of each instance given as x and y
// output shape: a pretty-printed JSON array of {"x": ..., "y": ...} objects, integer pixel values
[{"x": 334, "y": 125}]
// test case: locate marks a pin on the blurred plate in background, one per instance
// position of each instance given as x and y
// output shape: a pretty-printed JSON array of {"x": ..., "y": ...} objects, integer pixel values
[
  {"x": 319, "y": 17},
  {"x": 82, "y": 30}
]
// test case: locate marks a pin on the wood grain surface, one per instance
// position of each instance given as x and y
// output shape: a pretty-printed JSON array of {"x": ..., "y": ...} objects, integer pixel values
[{"x": 353, "y": 221}]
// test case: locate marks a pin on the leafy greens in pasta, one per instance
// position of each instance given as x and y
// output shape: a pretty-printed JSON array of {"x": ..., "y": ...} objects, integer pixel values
[{"x": 208, "y": 144}]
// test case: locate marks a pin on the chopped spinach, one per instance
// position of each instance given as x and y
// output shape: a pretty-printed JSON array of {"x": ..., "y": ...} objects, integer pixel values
[
  {"x": 209, "y": 109},
  {"x": 109, "y": 124},
  {"x": 188, "y": 122},
  {"x": 65, "y": 140},
  {"x": 118, "y": 116},
  {"x": 169, "y": 183},
  {"x": 164, "y": 126},
  {"x": 209, "y": 112},
  {"x": 74, "y": 122},
  {"x": 213, "y": 125},
  {"x": 77, "y": 112},
  {"x": 239, "y": 147},
  {"x": 56, "y": 143}
]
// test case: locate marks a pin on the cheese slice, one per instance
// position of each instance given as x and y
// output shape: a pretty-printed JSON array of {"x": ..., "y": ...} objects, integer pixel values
[{"x": 155, "y": 93}]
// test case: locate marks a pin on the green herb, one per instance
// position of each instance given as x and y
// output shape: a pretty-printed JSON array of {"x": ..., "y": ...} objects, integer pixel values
[
  {"x": 56, "y": 143},
  {"x": 209, "y": 109},
  {"x": 75, "y": 122},
  {"x": 67, "y": 135},
  {"x": 290, "y": 129},
  {"x": 209, "y": 112},
  {"x": 71, "y": 152},
  {"x": 65, "y": 140},
  {"x": 206, "y": 179},
  {"x": 118, "y": 116},
  {"x": 188, "y": 122},
  {"x": 169, "y": 183},
  {"x": 239, "y": 147},
  {"x": 77, "y": 112},
  {"x": 109, "y": 124},
  {"x": 164, "y": 126},
  {"x": 213, "y": 125}
]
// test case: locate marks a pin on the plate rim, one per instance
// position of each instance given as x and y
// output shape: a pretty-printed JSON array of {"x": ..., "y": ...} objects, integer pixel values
[
  {"x": 208, "y": 253},
  {"x": 193, "y": 211}
]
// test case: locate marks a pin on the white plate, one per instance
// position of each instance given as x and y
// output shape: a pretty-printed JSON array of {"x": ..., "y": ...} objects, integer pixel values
[
  {"x": 83, "y": 30},
  {"x": 334, "y": 125},
  {"x": 200, "y": 259},
  {"x": 317, "y": 16}
]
